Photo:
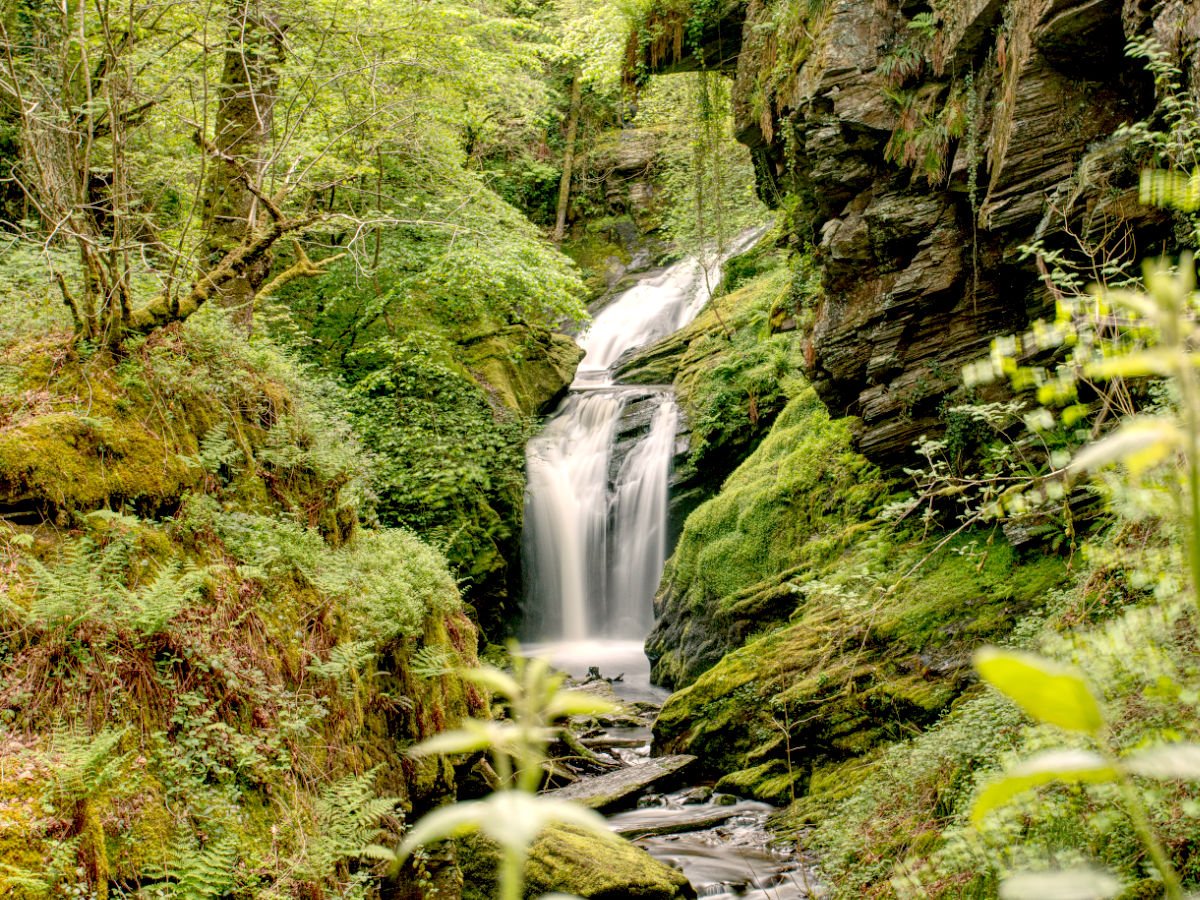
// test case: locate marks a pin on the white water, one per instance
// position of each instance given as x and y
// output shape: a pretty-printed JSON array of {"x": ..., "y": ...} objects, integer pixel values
[
  {"x": 658, "y": 305},
  {"x": 595, "y": 531}
]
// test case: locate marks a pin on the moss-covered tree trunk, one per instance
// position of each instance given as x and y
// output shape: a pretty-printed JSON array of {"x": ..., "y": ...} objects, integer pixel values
[
  {"x": 564, "y": 186},
  {"x": 240, "y": 146}
]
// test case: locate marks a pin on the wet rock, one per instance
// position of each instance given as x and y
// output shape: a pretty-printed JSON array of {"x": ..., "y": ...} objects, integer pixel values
[
  {"x": 701, "y": 794},
  {"x": 536, "y": 382},
  {"x": 620, "y": 788},
  {"x": 695, "y": 819},
  {"x": 919, "y": 275}
]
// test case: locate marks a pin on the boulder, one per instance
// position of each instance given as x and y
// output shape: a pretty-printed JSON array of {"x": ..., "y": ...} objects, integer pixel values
[
  {"x": 621, "y": 788},
  {"x": 572, "y": 861}
]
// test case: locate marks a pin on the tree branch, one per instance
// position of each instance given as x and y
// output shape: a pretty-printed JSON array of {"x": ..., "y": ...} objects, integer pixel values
[
  {"x": 270, "y": 203},
  {"x": 303, "y": 267},
  {"x": 162, "y": 311}
]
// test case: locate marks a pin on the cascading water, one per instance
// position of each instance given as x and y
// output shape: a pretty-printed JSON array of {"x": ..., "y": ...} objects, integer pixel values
[
  {"x": 596, "y": 503},
  {"x": 595, "y": 543}
]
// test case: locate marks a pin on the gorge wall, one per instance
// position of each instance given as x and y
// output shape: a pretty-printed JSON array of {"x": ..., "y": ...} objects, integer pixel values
[
  {"x": 914, "y": 151},
  {"x": 918, "y": 147}
]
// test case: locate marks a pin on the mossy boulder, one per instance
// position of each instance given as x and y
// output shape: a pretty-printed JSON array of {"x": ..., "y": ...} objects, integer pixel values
[
  {"x": 793, "y": 507},
  {"x": 527, "y": 370},
  {"x": 568, "y": 860},
  {"x": 804, "y": 631},
  {"x": 206, "y": 626},
  {"x": 876, "y": 650}
]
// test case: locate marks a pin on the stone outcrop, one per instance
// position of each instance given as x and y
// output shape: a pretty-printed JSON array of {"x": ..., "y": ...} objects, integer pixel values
[
  {"x": 918, "y": 148},
  {"x": 524, "y": 369},
  {"x": 621, "y": 788},
  {"x": 567, "y": 860}
]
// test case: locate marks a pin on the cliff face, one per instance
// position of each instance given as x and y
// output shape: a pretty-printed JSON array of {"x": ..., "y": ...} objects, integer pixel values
[{"x": 918, "y": 147}]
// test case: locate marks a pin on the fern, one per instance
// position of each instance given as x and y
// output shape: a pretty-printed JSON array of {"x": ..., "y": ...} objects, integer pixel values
[
  {"x": 203, "y": 872},
  {"x": 70, "y": 593},
  {"x": 88, "y": 585},
  {"x": 219, "y": 455},
  {"x": 86, "y": 764},
  {"x": 345, "y": 661},
  {"x": 150, "y": 608},
  {"x": 431, "y": 662},
  {"x": 60, "y": 870},
  {"x": 349, "y": 817}
]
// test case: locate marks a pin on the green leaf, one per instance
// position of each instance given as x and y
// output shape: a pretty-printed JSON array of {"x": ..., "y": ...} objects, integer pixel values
[
  {"x": 1061, "y": 766},
  {"x": 494, "y": 680},
  {"x": 1070, "y": 884},
  {"x": 513, "y": 819},
  {"x": 449, "y": 743},
  {"x": 1168, "y": 762},
  {"x": 1046, "y": 690},
  {"x": 1158, "y": 361},
  {"x": 1140, "y": 443},
  {"x": 578, "y": 703}
]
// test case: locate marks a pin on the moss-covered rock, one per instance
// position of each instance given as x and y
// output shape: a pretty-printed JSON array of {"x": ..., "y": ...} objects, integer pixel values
[
  {"x": 571, "y": 861},
  {"x": 206, "y": 628},
  {"x": 732, "y": 372},
  {"x": 792, "y": 508},
  {"x": 527, "y": 370},
  {"x": 865, "y": 659}
]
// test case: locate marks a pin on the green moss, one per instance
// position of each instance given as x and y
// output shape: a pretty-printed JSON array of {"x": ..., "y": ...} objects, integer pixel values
[
  {"x": 527, "y": 370},
  {"x": 791, "y": 510},
  {"x": 770, "y": 782},
  {"x": 793, "y": 619},
  {"x": 569, "y": 860},
  {"x": 307, "y": 650},
  {"x": 23, "y": 839}
]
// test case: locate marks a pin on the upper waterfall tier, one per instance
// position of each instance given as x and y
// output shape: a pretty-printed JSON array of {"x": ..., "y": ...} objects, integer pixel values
[{"x": 658, "y": 305}]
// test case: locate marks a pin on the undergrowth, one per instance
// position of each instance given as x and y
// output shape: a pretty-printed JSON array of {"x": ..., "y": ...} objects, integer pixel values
[{"x": 204, "y": 655}]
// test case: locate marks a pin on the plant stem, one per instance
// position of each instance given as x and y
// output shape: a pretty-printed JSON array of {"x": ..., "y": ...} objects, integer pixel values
[
  {"x": 1172, "y": 888},
  {"x": 512, "y": 875}
]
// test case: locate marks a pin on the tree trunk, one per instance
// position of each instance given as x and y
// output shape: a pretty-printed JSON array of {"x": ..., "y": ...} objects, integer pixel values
[
  {"x": 564, "y": 186},
  {"x": 241, "y": 140}
]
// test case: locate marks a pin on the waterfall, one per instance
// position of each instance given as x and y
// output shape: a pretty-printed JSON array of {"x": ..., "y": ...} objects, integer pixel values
[{"x": 594, "y": 541}]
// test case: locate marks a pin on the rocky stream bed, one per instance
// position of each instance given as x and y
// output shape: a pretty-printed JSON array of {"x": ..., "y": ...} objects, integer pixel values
[{"x": 722, "y": 844}]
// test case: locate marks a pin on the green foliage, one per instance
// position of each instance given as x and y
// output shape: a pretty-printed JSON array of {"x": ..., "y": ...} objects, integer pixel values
[
  {"x": 707, "y": 181},
  {"x": 166, "y": 677},
  {"x": 1170, "y": 144},
  {"x": 514, "y": 815},
  {"x": 88, "y": 589},
  {"x": 449, "y": 464},
  {"x": 928, "y": 123},
  {"x": 349, "y": 819},
  {"x": 758, "y": 526}
]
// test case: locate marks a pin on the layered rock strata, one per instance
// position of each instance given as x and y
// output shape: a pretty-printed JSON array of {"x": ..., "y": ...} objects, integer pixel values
[{"x": 919, "y": 147}]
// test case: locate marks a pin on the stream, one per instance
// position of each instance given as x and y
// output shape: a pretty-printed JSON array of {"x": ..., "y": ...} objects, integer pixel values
[{"x": 594, "y": 545}]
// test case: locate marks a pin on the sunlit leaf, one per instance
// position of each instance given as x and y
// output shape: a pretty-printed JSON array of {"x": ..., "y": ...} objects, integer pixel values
[
  {"x": 578, "y": 703},
  {"x": 1139, "y": 444},
  {"x": 455, "y": 820},
  {"x": 1158, "y": 361},
  {"x": 477, "y": 735},
  {"x": 513, "y": 819},
  {"x": 1046, "y": 690},
  {"x": 494, "y": 680},
  {"x": 1054, "y": 766},
  {"x": 1069, "y": 884},
  {"x": 452, "y": 742},
  {"x": 1167, "y": 762}
]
